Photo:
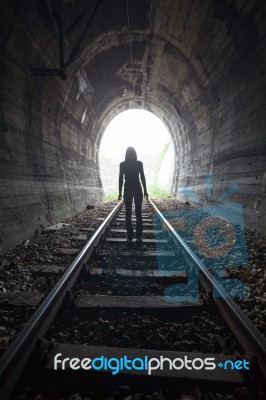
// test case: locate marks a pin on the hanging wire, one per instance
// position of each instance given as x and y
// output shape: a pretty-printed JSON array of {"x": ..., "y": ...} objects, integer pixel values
[
  {"x": 130, "y": 46},
  {"x": 77, "y": 46}
]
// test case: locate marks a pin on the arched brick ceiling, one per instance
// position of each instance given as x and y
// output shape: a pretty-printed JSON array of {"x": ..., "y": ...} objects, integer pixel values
[
  {"x": 199, "y": 65},
  {"x": 187, "y": 57}
]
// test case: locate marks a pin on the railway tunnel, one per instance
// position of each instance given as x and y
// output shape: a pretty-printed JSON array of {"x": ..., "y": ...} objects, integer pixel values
[{"x": 69, "y": 67}]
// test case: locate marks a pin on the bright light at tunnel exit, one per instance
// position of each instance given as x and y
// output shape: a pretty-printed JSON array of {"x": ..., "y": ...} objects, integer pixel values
[{"x": 149, "y": 136}]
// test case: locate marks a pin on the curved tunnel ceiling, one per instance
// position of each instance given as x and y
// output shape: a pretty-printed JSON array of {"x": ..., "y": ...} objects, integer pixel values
[
  {"x": 161, "y": 71},
  {"x": 199, "y": 65},
  {"x": 184, "y": 54}
]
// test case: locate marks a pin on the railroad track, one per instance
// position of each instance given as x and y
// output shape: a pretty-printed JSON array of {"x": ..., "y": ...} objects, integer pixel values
[{"x": 106, "y": 258}]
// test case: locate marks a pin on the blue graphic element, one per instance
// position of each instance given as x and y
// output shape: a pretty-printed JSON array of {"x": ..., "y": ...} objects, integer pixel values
[
  {"x": 209, "y": 186},
  {"x": 191, "y": 194},
  {"x": 184, "y": 292},
  {"x": 233, "y": 188},
  {"x": 216, "y": 235},
  {"x": 231, "y": 365}
]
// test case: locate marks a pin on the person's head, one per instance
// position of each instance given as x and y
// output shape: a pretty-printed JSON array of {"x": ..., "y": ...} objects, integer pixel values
[{"x": 131, "y": 154}]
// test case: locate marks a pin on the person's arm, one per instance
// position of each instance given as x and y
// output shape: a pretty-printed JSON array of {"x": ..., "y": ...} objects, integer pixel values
[
  {"x": 143, "y": 180},
  {"x": 120, "y": 183}
]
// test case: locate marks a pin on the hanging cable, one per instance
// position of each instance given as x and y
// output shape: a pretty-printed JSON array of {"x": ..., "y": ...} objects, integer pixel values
[
  {"x": 76, "y": 48},
  {"x": 130, "y": 46}
]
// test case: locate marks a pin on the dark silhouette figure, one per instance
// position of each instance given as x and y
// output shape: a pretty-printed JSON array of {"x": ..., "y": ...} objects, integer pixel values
[{"x": 131, "y": 169}]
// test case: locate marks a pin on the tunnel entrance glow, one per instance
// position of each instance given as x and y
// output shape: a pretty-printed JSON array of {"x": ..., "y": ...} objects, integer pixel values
[{"x": 148, "y": 135}]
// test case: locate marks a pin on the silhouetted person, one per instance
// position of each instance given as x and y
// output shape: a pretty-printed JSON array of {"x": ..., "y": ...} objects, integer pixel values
[{"x": 131, "y": 170}]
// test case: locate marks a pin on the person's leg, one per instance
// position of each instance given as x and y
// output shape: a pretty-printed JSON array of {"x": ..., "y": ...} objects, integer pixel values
[
  {"x": 138, "y": 205},
  {"x": 128, "y": 206}
]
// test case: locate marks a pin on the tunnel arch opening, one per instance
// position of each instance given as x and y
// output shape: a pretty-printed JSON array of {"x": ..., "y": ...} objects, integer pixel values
[
  {"x": 153, "y": 142},
  {"x": 191, "y": 66},
  {"x": 164, "y": 110}
]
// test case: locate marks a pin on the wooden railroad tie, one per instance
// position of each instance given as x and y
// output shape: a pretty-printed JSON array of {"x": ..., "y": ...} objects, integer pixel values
[
  {"x": 124, "y": 240},
  {"x": 86, "y": 302},
  {"x": 178, "y": 276},
  {"x": 117, "y": 230},
  {"x": 133, "y": 302},
  {"x": 136, "y": 254}
]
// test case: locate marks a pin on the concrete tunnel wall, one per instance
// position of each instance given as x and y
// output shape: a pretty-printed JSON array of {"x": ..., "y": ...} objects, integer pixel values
[{"x": 198, "y": 65}]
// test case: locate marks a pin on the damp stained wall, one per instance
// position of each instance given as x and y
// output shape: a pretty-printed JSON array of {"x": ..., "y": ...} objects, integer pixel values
[{"x": 198, "y": 65}]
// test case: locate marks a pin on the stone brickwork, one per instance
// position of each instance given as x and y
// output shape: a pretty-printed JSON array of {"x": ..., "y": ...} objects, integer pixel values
[{"x": 198, "y": 65}]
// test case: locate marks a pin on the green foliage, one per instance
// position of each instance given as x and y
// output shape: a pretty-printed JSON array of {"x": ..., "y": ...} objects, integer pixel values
[
  {"x": 156, "y": 191},
  {"x": 111, "y": 196}
]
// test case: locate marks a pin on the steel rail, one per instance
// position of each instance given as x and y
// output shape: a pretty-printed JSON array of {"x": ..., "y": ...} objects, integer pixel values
[
  {"x": 15, "y": 358},
  {"x": 247, "y": 334}
]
